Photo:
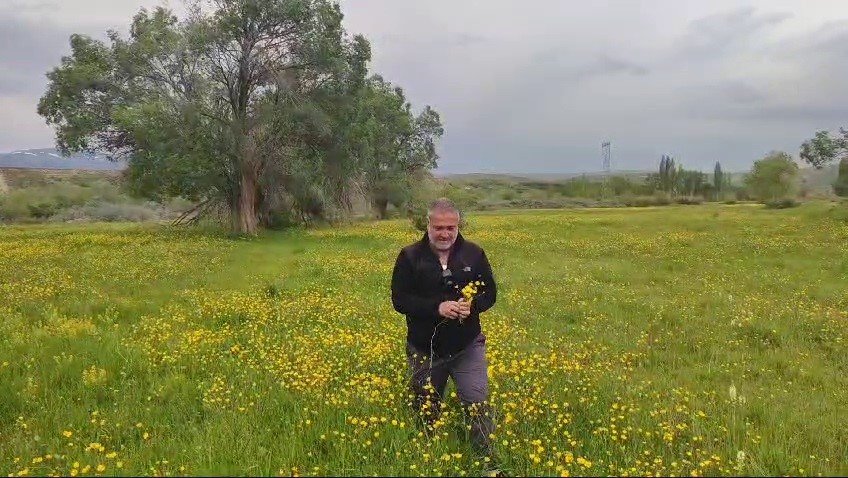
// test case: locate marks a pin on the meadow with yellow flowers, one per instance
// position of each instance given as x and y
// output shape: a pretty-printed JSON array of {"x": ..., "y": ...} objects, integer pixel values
[{"x": 687, "y": 340}]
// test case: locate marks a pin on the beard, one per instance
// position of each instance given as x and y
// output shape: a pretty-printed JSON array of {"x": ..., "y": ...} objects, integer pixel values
[{"x": 442, "y": 245}]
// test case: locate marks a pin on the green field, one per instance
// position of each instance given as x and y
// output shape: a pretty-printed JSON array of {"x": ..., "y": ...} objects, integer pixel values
[{"x": 679, "y": 340}]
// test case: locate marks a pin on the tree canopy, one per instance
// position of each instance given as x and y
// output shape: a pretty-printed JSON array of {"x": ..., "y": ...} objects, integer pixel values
[
  {"x": 773, "y": 177},
  {"x": 262, "y": 106},
  {"x": 824, "y": 148}
]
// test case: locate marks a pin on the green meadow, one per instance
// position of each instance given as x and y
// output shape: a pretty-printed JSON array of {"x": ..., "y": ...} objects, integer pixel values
[{"x": 680, "y": 340}]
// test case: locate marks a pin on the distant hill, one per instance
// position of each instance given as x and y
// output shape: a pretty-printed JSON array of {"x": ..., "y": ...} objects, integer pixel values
[{"x": 49, "y": 158}]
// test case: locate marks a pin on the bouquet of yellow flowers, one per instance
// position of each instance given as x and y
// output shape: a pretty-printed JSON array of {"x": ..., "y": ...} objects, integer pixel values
[{"x": 470, "y": 291}]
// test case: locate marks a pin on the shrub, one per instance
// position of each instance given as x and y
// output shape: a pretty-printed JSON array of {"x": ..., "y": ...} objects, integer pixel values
[
  {"x": 508, "y": 194},
  {"x": 12, "y": 211},
  {"x": 742, "y": 195},
  {"x": 110, "y": 212},
  {"x": 773, "y": 177},
  {"x": 528, "y": 203},
  {"x": 279, "y": 220},
  {"x": 42, "y": 210},
  {"x": 646, "y": 201},
  {"x": 781, "y": 203},
  {"x": 689, "y": 200}
]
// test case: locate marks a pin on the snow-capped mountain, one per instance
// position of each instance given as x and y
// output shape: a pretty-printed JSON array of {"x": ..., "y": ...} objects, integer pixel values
[{"x": 49, "y": 158}]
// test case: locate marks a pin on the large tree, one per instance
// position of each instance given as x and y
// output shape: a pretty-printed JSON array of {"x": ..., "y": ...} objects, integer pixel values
[
  {"x": 666, "y": 178},
  {"x": 237, "y": 103},
  {"x": 399, "y": 148},
  {"x": 718, "y": 178},
  {"x": 668, "y": 174},
  {"x": 824, "y": 149},
  {"x": 773, "y": 177}
]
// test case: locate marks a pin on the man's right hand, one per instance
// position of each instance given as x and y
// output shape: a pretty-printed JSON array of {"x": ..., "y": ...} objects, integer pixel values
[{"x": 450, "y": 309}]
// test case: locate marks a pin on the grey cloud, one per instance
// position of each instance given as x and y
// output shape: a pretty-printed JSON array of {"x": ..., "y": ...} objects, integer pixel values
[
  {"x": 722, "y": 99},
  {"x": 443, "y": 41},
  {"x": 836, "y": 39},
  {"x": 718, "y": 34},
  {"x": 730, "y": 24},
  {"x": 26, "y": 7},
  {"x": 28, "y": 49},
  {"x": 535, "y": 86},
  {"x": 552, "y": 78},
  {"x": 575, "y": 66},
  {"x": 721, "y": 79},
  {"x": 796, "y": 113},
  {"x": 739, "y": 92},
  {"x": 606, "y": 64},
  {"x": 812, "y": 92},
  {"x": 829, "y": 41},
  {"x": 465, "y": 39}
]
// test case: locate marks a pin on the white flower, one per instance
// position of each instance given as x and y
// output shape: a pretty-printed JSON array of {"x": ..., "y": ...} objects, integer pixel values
[
  {"x": 740, "y": 460},
  {"x": 732, "y": 392}
]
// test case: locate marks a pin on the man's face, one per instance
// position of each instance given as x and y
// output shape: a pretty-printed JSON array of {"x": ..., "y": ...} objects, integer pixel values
[{"x": 442, "y": 230}]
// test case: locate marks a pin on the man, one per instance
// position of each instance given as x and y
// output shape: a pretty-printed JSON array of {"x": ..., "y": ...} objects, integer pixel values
[{"x": 444, "y": 338}]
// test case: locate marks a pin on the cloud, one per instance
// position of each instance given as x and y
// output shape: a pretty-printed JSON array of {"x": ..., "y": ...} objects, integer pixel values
[
  {"x": 28, "y": 49},
  {"x": 728, "y": 86},
  {"x": 536, "y": 86},
  {"x": 714, "y": 35},
  {"x": 21, "y": 6},
  {"x": 445, "y": 40},
  {"x": 570, "y": 67},
  {"x": 21, "y": 126},
  {"x": 794, "y": 79}
]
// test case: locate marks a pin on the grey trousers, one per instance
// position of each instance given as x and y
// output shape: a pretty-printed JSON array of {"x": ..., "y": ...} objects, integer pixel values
[{"x": 469, "y": 371}]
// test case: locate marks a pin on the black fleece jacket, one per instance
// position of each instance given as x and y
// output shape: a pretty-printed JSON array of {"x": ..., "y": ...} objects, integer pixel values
[{"x": 419, "y": 285}]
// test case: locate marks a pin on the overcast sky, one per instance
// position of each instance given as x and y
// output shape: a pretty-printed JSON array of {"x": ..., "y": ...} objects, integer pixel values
[{"x": 537, "y": 85}]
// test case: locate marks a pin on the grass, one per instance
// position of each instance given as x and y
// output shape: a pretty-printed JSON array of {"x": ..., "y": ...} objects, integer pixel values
[{"x": 673, "y": 340}]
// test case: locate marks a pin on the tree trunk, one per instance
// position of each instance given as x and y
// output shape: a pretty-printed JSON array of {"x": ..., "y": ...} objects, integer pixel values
[
  {"x": 382, "y": 207},
  {"x": 245, "y": 215}
]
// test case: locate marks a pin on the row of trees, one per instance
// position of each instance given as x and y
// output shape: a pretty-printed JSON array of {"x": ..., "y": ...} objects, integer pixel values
[
  {"x": 673, "y": 179},
  {"x": 264, "y": 107},
  {"x": 772, "y": 177}
]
